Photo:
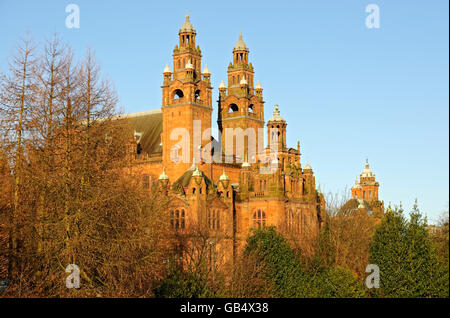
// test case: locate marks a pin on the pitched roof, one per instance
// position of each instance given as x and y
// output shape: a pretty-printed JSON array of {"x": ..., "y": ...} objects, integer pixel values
[{"x": 148, "y": 126}]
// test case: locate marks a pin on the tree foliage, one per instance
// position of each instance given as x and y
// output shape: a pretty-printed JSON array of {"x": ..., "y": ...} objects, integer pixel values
[{"x": 408, "y": 263}]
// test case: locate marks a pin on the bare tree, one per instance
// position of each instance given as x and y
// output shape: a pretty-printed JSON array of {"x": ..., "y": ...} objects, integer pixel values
[{"x": 17, "y": 90}]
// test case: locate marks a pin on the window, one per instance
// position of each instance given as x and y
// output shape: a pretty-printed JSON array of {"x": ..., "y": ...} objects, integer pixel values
[
  {"x": 250, "y": 108},
  {"x": 213, "y": 219},
  {"x": 178, "y": 93},
  {"x": 259, "y": 219},
  {"x": 177, "y": 219},
  {"x": 233, "y": 108},
  {"x": 370, "y": 194},
  {"x": 146, "y": 181},
  {"x": 289, "y": 219}
]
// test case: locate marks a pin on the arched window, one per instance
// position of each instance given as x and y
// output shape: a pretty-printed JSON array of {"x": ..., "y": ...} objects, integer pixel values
[
  {"x": 234, "y": 80},
  {"x": 197, "y": 94},
  {"x": 250, "y": 108},
  {"x": 259, "y": 219},
  {"x": 179, "y": 63},
  {"x": 177, "y": 219},
  {"x": 178, "y": 93},
  {"x": 233, "y": 108}
]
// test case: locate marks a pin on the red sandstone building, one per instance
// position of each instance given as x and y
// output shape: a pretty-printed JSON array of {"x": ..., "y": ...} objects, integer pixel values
[{"x": 245, "y": 186}]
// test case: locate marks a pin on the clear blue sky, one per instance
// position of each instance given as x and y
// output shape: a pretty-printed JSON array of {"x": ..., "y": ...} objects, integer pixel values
[{"x": 346, "y": 91}]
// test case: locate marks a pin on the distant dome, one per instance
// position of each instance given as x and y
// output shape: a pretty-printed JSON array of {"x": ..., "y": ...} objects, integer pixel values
[
  {"x": 307, "y": 167},
  {"x": 258, "y": 85},
  {"x": 243, "y": 81},
  {"x": 367, "y": 172},
  {"x": 222, "y": 85},
  {"x": 240, "y": 44},
  {"x": 187, "y": 25}
]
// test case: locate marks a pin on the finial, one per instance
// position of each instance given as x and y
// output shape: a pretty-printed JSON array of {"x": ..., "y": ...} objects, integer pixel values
[
  {"x": 187, "y": 15},
  {"x": 163, "y": 175},
  {"x": 240, "y": 35},
  {"x": 276, "y": 109},
  {"x": 224, "y": 176}
]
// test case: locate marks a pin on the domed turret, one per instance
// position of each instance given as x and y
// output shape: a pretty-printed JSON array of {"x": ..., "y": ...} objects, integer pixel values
[
  {"x": 187, "y": 25},
  {"x": 224, "y": 177},
  {"x": 167, "y": 69},
  {"x": 222, "y": 85},
  {"x": 206, "y": 70},
  {"x": 356, "y": 185},
  {"x": 240, "y": 44},
  {"x": 276, "y": 117}
]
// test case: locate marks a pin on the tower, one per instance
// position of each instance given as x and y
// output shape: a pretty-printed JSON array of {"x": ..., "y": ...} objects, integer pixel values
[
  {"x": 276, "y": 130},
  {"x": 367, "y": 187},
  {"x": 241, "y": 108},
  {"x": 186, "y": 102}
]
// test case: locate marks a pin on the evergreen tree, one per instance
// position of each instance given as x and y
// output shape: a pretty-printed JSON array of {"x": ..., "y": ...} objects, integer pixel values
[
  {"x": 285, "y": 275},
  {"x": 407, "y": 260}
]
